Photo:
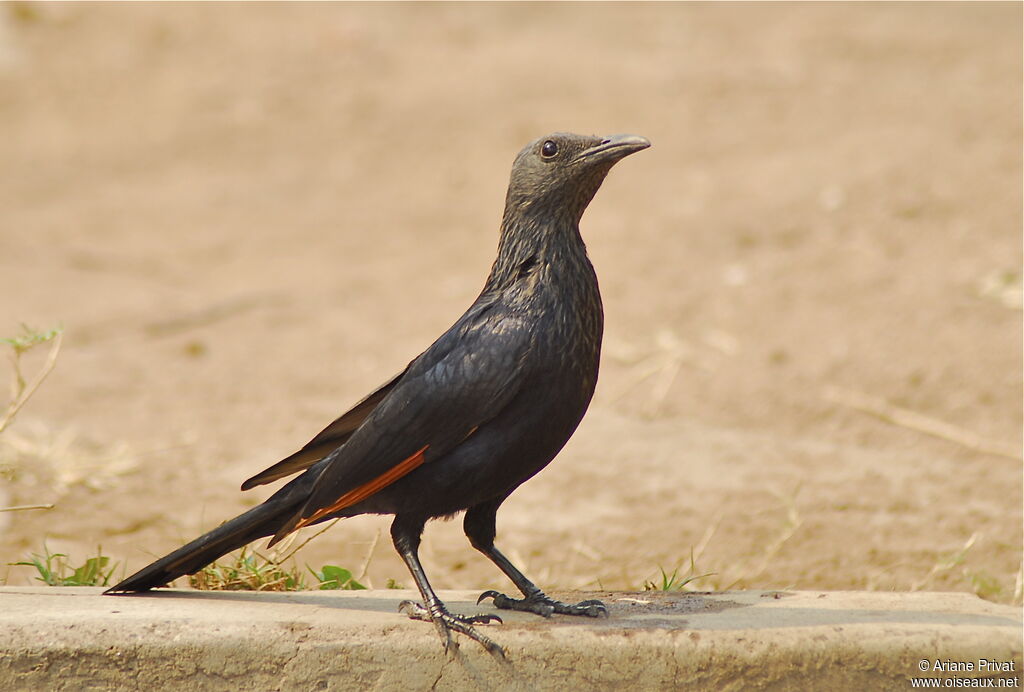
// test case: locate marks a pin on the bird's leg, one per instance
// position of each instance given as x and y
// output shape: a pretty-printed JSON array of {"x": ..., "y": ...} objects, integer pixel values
[
  {"x": 480, "y": 529},
  {"x": 405, "y": 533}
]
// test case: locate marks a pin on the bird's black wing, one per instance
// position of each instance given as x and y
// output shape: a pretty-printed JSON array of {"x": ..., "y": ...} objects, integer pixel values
[
  {"x": 463, "y": 380},
  {"x": 327, "y": 440}
]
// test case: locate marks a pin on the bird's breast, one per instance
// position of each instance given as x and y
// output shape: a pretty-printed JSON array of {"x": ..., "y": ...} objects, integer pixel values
[{"x": 569, "y": 323}]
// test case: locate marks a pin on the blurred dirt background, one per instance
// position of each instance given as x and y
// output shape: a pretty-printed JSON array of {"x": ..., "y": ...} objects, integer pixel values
[{"x": 247, "y": 216}]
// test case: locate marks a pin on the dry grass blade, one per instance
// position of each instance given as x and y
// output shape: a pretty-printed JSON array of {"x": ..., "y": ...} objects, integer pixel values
[
  {"x": 247, "y": 571},
  {"x": 22, "y": 391},
  {"x": 210, "y": 314},
  {"x": 949, "y": 562},
  {"x": 790, "y": 525},
  {"x": 291, "y": 553},
  {"x": 913, "y": 420},
  {"x": 369, "y": 556}
]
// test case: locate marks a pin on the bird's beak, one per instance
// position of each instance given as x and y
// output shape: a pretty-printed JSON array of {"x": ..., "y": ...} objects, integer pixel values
[{"x": 614, "y": 147}]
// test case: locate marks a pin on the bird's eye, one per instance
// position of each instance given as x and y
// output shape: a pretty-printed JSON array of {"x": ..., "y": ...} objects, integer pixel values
[{"x": 549, "y": 149}]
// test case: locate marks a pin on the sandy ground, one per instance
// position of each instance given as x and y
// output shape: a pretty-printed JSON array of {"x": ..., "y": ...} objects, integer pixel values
[{"x": 247, "y": 216}]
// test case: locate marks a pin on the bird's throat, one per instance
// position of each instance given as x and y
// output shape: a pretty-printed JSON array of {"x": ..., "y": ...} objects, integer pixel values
[{"x": 527, "y": 243}]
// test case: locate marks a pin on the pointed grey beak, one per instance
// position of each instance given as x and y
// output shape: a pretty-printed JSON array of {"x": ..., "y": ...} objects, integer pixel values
[{"x": 614, "y": 147}]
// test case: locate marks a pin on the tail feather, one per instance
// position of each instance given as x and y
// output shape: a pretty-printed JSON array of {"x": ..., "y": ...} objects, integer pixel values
[{"x": 260, "y": 521}]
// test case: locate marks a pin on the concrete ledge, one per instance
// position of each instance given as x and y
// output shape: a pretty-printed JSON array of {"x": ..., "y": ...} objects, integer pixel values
[{"x": 74, "y": 639}]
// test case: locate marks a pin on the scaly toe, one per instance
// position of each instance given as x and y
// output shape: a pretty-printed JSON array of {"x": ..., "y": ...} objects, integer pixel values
[
  {"x": 541, "y": 605},
  {"x": 414, "y": 611},
  {"x": 592, "y": 609},
  {"x": 446, "y": 622}
]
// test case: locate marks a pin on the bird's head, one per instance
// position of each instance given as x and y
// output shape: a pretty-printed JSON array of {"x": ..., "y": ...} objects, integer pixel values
[{"x": 559, "y": 174}]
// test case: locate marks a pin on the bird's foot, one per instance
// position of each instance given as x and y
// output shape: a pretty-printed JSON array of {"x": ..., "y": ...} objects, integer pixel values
[
  {"x": 541, "y": 604},
  {"x": 445, "y": 622}
]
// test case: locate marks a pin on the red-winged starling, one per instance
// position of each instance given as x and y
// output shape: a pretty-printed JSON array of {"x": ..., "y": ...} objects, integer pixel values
[{"x": 483, "y": 409}]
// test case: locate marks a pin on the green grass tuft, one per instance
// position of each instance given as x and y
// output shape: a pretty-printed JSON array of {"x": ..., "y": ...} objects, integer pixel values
[
  {"x": 247, "y": 571},
  {"x": 54, "y": 570}
]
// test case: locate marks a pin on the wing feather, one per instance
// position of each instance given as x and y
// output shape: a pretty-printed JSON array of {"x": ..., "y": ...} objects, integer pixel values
[
  {"x": 463, "y": 380},
  {"x": 327, "y": 440}
]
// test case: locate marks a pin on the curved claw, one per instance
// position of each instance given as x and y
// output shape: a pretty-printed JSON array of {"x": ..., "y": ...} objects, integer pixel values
[
  {"x": 412, "y": 609},
  {"x": 482, "y": 619},
  {"x": 490, "y": 593}
]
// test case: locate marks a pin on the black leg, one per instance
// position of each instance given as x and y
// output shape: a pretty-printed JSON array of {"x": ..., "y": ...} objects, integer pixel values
[
  {"x": 480, "y": 529},
  {"x": 405, "y": 533}
]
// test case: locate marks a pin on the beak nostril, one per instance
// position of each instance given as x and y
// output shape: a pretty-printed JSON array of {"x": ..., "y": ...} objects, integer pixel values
[{"x": 605, "y": 141}]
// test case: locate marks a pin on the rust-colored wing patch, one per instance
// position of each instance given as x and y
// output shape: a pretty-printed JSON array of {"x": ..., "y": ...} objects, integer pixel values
[{"x": 366, "y": 489}]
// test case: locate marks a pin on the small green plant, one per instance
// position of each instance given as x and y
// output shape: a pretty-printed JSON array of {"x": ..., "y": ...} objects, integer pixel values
[
  {"x": 54, "y": 570},
  {"x": 674, "y": 582},
  {"x": 333, "y": 577},
  {"x": 30, "y": 337},
  {"x": 247, "y": 571}
]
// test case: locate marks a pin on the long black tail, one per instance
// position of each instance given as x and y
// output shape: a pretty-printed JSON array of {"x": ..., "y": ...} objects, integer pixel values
[{"x": 260, "y": 521}]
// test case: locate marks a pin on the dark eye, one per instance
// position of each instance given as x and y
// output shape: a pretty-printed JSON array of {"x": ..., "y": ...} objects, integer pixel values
[{"x": 549, "y": 149}]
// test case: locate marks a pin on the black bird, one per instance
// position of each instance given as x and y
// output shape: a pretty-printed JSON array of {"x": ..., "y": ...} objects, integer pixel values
[{"x": 486, "y": 407}]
